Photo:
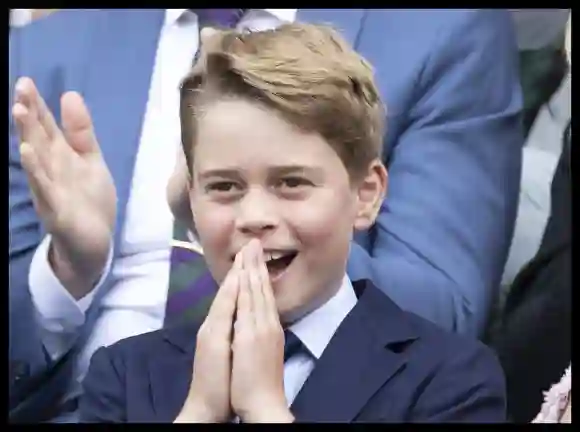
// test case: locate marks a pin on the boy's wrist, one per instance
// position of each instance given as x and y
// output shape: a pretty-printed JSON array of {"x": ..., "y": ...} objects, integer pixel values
[
  {"x": 195, "y": 413},
  {"x": 269, "y": 414}
]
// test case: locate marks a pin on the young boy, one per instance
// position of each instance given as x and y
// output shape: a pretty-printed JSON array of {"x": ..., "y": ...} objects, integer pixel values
[{"x": 282, "y": 132}]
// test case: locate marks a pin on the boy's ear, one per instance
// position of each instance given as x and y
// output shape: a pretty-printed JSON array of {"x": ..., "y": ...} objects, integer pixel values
[
  {"x": 371, "y": 191},
  {"x": 178, "y": 192}
]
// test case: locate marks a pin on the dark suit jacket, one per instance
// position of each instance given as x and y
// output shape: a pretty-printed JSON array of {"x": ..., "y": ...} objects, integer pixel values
[
  {"x": 382, "y": 365},
  {"x": 534, "y": 342}
]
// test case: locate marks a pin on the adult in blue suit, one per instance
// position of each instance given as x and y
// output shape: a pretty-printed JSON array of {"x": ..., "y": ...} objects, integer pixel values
[{"x": 453, "y": 145}]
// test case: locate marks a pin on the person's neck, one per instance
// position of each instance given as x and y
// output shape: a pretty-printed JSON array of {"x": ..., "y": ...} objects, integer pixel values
[{"x": 292, "y": 317}]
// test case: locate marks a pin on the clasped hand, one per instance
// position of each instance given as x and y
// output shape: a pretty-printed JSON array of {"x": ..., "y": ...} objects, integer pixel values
[{"x": 239, "y": 360}]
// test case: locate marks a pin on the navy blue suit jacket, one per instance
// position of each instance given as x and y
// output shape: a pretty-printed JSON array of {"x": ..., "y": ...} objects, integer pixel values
[
  {"x": 382, "y": 365},
  {"x": 452, "y": 148}
]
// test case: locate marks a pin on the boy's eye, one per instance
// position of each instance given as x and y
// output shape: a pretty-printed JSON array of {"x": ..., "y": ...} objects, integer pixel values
[
  {"x": 222, "y": 186},
  {"x": 294, "y": 182}
]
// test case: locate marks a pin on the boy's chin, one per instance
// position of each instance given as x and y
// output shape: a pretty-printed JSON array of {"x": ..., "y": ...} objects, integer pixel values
[
  {"x": 292, "y": 308},
  {"x": 289, "y": 316},
  {"x": 290, "y": 304}
]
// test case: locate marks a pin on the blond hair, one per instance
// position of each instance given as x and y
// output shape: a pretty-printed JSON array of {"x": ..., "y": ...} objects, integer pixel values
[{"x": 306, "y": 73}]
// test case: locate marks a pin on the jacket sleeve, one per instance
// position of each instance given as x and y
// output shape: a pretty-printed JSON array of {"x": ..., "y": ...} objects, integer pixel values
[{"x": 442, "y": 236}]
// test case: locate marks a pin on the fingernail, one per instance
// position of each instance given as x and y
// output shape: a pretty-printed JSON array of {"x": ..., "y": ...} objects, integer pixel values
[
  {"x": 239, "y": 257},
  {"x": 25, "y": 148},
  {"x": 22, "y": 83},
  {"x": 19, "y": 88}
]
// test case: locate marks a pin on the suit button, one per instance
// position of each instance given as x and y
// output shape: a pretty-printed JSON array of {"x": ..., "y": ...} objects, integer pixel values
[{"x": 19, "y": 371}]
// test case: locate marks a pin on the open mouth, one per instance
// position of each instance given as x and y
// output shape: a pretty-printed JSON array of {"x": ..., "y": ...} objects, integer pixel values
[{"x": 278, "y": 262}]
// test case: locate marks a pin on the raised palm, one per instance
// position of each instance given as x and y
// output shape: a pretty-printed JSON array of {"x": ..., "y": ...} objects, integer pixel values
[{"x": 72, "y": 189}]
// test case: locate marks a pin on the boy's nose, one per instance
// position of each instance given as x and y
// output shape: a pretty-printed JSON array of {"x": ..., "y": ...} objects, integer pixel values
[{"x": 256, "y": 213}]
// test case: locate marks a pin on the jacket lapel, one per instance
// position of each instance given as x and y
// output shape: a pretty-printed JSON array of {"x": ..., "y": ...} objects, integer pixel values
[
  {"x": 360, "y": 358},
  {"x": 170, "y": 373},
  {"x": 170, "y": 380}
]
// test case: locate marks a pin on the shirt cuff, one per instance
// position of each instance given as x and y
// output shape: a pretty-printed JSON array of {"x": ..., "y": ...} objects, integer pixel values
[
  {"x": 20, "y": 17},
  {"x": 56, "y": 308}
]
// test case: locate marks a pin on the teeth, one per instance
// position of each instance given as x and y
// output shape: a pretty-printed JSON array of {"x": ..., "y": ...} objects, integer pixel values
[{"x": 269, "y": 256}]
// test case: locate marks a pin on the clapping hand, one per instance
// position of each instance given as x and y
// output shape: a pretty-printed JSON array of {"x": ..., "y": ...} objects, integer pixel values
[
  {"x": 239, "y": 359},
  {"x": 72, "y": 189},
  {"x": 257, "y": 388}
]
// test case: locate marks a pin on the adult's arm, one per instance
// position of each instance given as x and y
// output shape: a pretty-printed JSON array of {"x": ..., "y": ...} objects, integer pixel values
[
  {"x": 44, "y": 317},
  {"x": 441, "y": 240}
]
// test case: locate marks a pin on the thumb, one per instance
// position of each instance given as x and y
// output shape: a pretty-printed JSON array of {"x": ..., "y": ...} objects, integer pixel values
[{"x": 77, "y": 124}]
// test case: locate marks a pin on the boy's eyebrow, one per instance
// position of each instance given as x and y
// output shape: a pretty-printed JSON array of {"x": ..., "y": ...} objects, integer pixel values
[
  {"x": 275, "y": 170},
  {"x": 294, "y": 169},
  {"x": 224, "y": 172}
]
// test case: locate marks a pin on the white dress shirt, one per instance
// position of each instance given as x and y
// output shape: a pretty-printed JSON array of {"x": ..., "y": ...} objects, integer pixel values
[
  {"x": 20, "y": 17},
  {"x": 136, "y": 303},
  {"x": 540, "y": 159}
]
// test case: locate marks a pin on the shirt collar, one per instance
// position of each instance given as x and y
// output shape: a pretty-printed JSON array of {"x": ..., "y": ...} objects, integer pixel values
[
  {"x": 317, "y": 328},
  {"x": 172, "y": 15},
  {"x": 20, "y": 17},
  {"x": 287, "y": 15}
]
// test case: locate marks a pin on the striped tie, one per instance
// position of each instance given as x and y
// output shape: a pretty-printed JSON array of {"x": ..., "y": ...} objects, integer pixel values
[{"x": 191, "y": 287}]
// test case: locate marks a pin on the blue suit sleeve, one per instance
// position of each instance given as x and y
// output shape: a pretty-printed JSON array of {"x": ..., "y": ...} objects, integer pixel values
[
  {"x": 443, "y": 233},
  {"x": 23, "y": 228},
  {"x": 103, "y": 399}
]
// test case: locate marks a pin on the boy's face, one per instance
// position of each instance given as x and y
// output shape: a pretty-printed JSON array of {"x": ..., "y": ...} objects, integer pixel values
[{"x": 256, "y": 176}]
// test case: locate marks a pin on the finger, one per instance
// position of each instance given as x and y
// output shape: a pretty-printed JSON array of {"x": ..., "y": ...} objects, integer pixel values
[
  {"x": 24, "y": 112},
  {"x": 260, "y": 312},
  {"x": 267, "y": 291},
  {"x": 24, "y": 92},
  {"x": 30, "y": 132},
  {"x": 26, "y": 88},
  {"x": 244, "y": 307},
  {"x": 228, "y": 288},
  {"x": 223, "y": 308},
  {"x": 77, "y": 124},
  {"x": 244, "y": 319},
  {"x": 40, "y": 185},
  {"x": 28, "y": 94},
  {"x": 19, "y": 114},
  {"x": 46, "y": 117}
]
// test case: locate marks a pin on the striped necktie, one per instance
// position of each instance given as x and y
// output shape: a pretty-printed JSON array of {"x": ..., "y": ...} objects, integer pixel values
[{"x": 191, "y": 286}]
